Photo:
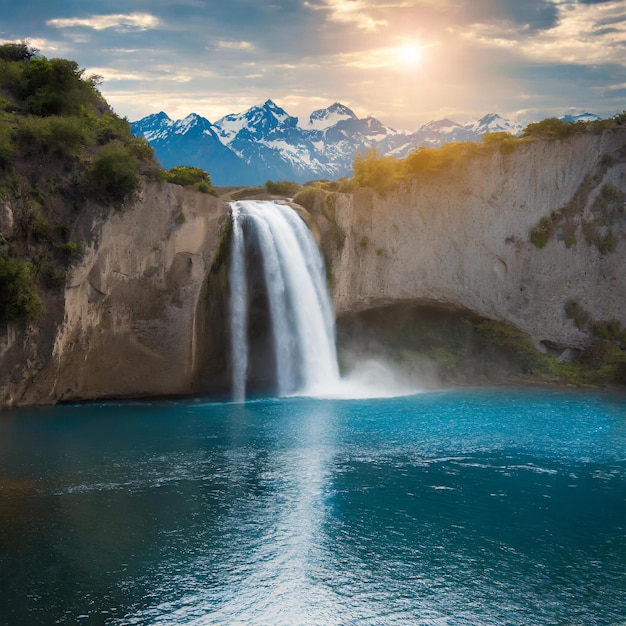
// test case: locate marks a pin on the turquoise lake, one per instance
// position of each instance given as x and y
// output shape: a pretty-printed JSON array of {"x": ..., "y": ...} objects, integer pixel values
[{"x": 470, "y": 507}]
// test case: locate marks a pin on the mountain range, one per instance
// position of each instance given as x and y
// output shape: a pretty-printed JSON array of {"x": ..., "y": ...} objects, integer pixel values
[{"x": 265, "y": 142}]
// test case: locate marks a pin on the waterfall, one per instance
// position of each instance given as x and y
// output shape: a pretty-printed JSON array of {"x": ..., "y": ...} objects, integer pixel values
[
  {"x": 238, "y": 310},
  {"x": 301, "y": 315}
]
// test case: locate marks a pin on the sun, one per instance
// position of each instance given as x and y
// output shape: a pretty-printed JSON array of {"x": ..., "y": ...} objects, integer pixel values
[{"x": 409, "y": 54}]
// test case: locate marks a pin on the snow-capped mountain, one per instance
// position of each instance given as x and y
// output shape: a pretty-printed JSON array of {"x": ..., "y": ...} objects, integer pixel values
[
  {"x": 581, "y": 117},
  {"x": 190, "y": 141},
  {"x": 265, "y": 142},
  {"x": 325, "y": 118}
]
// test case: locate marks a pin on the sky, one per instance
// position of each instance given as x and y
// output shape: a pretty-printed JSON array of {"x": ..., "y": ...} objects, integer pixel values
[{"x": 405, "y": 62}]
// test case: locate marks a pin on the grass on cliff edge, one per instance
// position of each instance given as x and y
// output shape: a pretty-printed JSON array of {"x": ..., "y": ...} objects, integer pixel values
[{"x": 384, "y": 173}]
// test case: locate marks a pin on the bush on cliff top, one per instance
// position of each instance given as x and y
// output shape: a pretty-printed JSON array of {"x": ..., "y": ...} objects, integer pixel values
[{"x": 194, "y": 177}]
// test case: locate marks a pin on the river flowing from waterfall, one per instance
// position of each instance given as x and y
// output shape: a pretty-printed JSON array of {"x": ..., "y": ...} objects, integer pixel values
[{"x": 448, "y": 508}]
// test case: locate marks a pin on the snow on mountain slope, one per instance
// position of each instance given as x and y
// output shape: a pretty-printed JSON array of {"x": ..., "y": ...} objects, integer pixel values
[
  {"x": 321, "y": 119},
  {"x": 266, "y": 142},
  {"x": 581, "y": 117}
]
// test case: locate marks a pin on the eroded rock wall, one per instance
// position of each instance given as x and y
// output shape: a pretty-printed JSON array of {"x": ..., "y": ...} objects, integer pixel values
[
  {"x": 462, "y": 237},
  {"x": 130, "y": 305}
]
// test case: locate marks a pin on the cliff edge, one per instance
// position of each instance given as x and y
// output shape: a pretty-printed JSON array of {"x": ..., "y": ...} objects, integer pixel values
[{"x": 535, "y": 238}]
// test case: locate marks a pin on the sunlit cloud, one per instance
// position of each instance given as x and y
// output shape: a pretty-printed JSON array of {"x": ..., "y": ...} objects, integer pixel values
[
  {"x": 593, "y": 33},
  {"x": 43, "y": 45},
  {"x": 349, "y": 12},
  {"x": 164, "y": 74},
  {"x": 112, "y": 74},
  {"x": 119, "y": 22},
  {"x": 235, "y": 45},
  {"x": 405, "y": 54}
]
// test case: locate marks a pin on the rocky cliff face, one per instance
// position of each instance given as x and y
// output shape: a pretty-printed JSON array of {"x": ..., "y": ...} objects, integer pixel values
[
  {"x": 127, "y": 323},
  {"x": 461, "y": 237},
  {"x": 535, "y": 238}
]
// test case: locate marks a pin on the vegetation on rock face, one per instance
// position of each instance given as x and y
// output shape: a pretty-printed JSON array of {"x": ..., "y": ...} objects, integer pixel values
[
  {"x": 61, "y": 146},
  {"x": 18, "y": 295},
  {"x": 194, "y": 177},
  {"x": 600, "y": 224},
  {"x": 384, "y": 173},
  {"x": 469, "y": 350}
]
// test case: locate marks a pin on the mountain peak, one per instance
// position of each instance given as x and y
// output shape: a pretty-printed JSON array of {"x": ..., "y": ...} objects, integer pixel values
[
  {"x": 321, "y": 119},
  {"x": 270, "y": 104},
  {"x": 580, "y": 117}
]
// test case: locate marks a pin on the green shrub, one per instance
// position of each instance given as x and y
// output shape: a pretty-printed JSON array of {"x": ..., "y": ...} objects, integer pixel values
[
  {"x": 552, "y": 128},
  {"x": 110, "y": 127},
  {"x": 185, "y": 175},
  {"x": 540, "y": 235},
  {"x": 12, "y": 79},
  {"x": 113, "y": 174},
  {"x": 17, "y": 51},
  {"x": 18, "y": 299},
  {"x": 56, "y": 87},
  {"x": 578, "y": 314},
  {"x": 7, "y": 148},
  {"x": 205, "y": 187},
  {"x": 71, "y": 250},
  {"x": 282, "y": 188},
  {"x": 64, "y": 136}
]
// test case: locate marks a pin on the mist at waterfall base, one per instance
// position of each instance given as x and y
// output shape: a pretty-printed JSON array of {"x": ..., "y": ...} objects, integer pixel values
[
  {"x": 464, "y": 508},
  {"x": 272, "y": 246}
]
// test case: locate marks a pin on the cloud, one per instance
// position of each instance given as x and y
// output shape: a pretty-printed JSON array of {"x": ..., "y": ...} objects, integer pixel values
[
  {"x": 118, "y": 22},
  {"x": 113, "y": 74},
  {"x": 349, "y": 12},
  {"x": 585, "y": 33},
  {"x": 235, "y": 45}
]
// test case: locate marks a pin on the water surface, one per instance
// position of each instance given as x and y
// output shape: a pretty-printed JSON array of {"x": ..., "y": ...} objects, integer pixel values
[{"x": 464, "y": 508}]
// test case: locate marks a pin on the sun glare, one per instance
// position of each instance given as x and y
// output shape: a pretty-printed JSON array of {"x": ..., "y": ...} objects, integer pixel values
[{"x": 409, "y": 54}]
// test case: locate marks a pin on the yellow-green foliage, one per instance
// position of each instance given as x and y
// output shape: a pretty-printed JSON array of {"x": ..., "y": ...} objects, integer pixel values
[
  {"x": 540, "y": 235},
  {"x": 503, "y": 141},
  {"x": 434, "y": 159},
  {"x": 194, "y": 177},
  {"x": 553, "y": 128},
  {"x": 378, "y": 172},
  {"x": 282, "y": 187},
  {"x": 341, "y": 185}
]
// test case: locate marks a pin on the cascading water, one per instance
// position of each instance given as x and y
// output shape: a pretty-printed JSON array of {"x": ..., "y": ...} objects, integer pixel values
[{"x": 302, "y": 321}]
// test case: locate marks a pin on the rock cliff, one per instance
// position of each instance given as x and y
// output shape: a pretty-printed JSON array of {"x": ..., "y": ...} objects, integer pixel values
[
  {"x": 461, "y": 237},
  {"x": 127, "y": 323},
  {"x": 534, "y": 238}
]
